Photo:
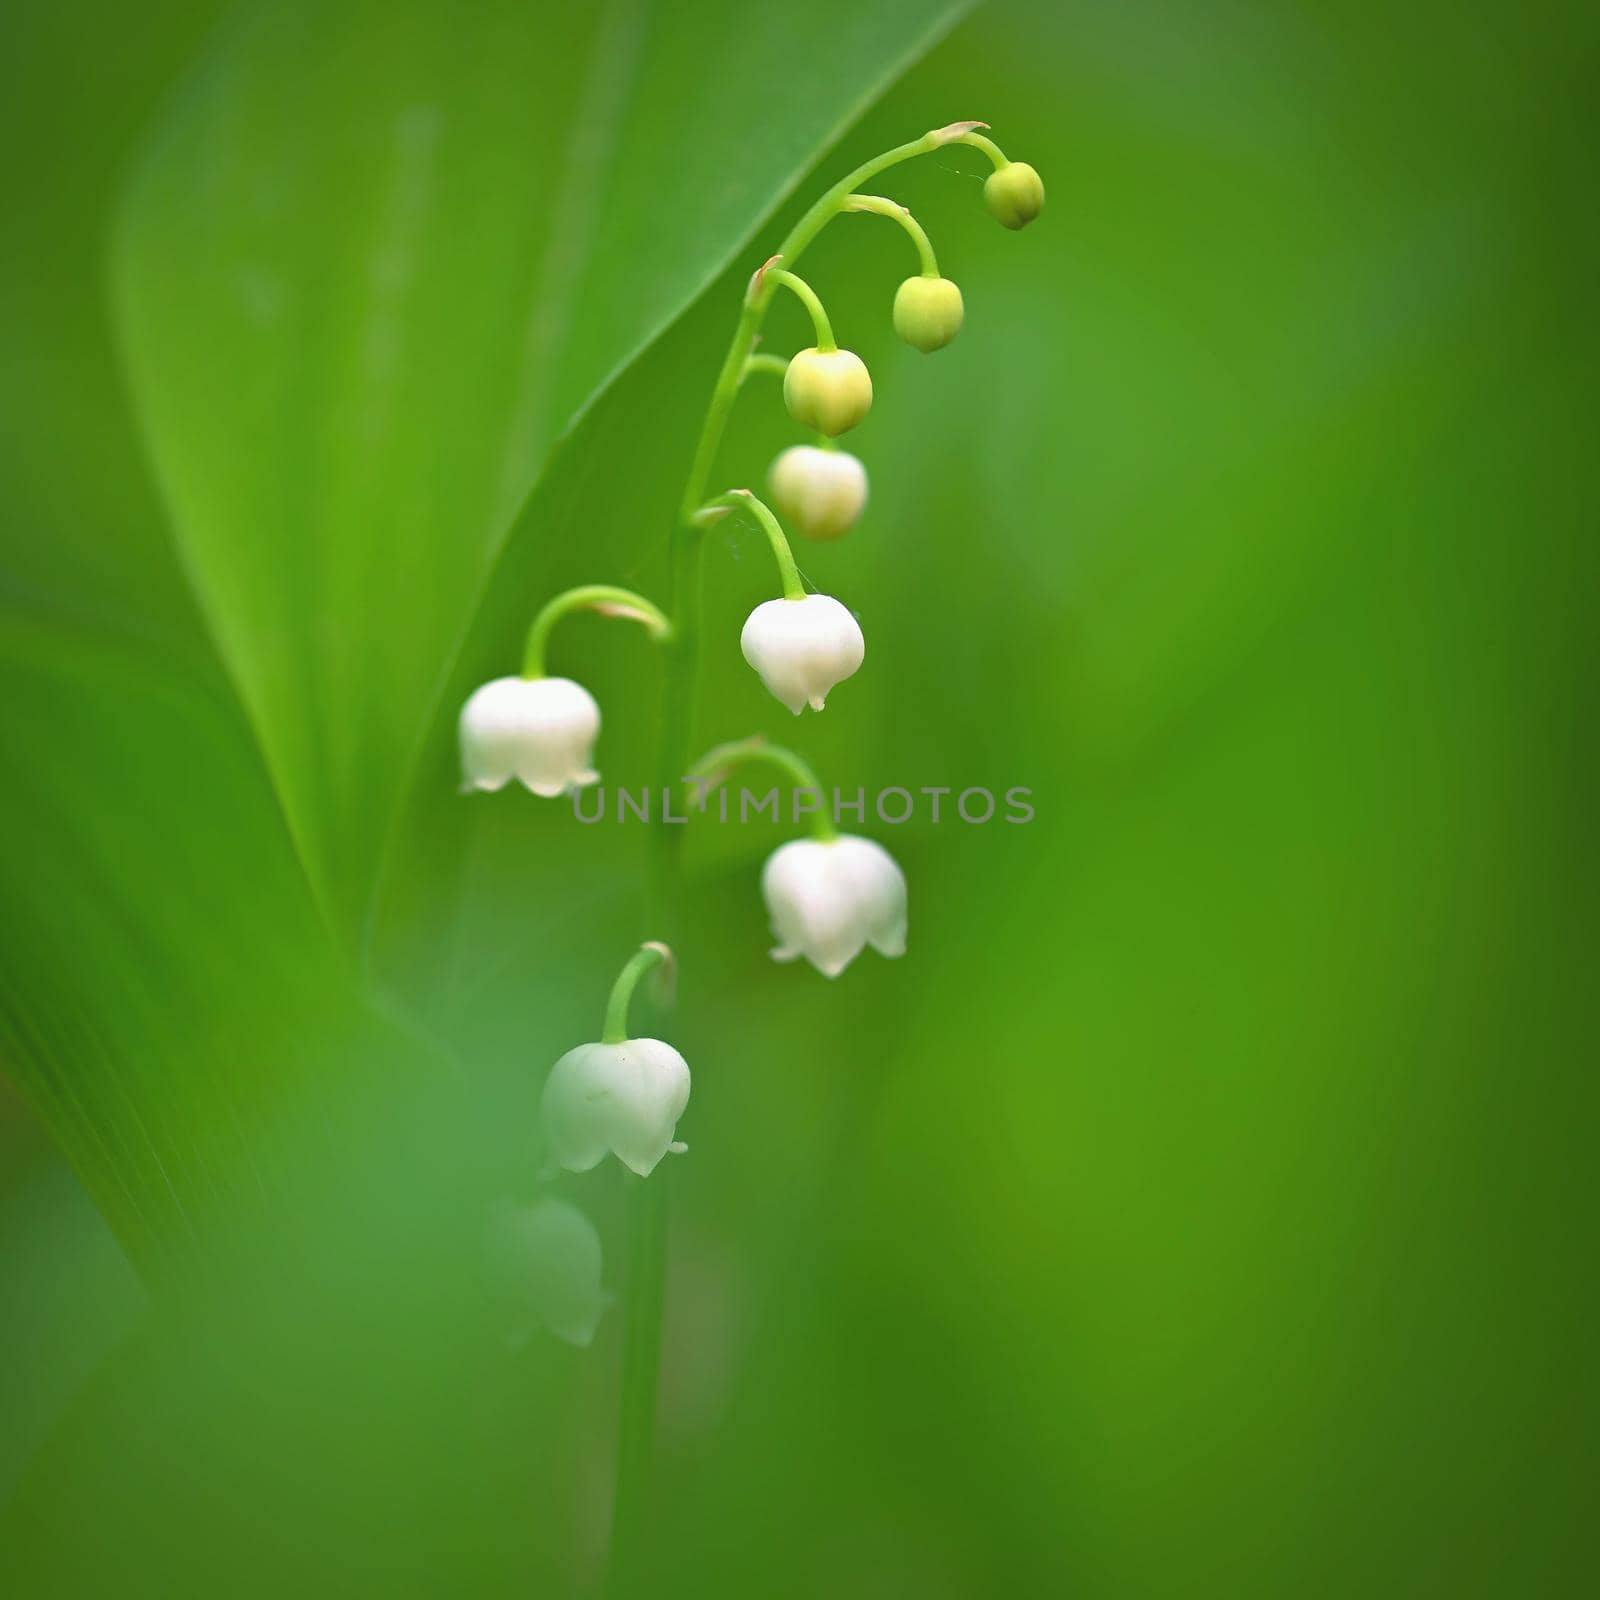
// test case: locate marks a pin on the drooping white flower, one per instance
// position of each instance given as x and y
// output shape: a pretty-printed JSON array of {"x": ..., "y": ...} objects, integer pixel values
[
  {"x": 538, "y": 730},
  {"x": 544, "y": 1269},
  {"x": 820, "y": 492},
  {"x": 802, "y": 648},
  {"x": 622, "y": 1098},
  {"x": 830, "y": 897}
]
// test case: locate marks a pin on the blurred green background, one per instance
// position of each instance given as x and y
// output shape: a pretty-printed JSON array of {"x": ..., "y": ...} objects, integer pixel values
[{"x": 1202, "y": 1206}]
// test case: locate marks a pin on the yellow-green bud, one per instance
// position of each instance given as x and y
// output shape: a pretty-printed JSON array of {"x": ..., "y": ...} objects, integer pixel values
[
  {"x": 1014, "y": 194},
  {"x": 829, "y": 390},
  {"x": 927, "y": 312}
]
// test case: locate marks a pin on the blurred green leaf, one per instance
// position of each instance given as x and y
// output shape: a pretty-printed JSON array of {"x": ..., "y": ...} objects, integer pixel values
[
  {"x": 374, "y": 262},
  {"x": 168, "y": 989},
  {"x": 168, "y": 979}
]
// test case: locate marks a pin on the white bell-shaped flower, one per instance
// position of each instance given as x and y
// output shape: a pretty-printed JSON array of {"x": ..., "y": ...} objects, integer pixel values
[
  {"x": 802, "y": 648},
  {"x": 820, "y": 492},
  {"x": 538, "y": 730},
  {"x": 830, "y": 897},
  {"x": 622, "y": 1098},
  {"x": 544, "y": 1270}
]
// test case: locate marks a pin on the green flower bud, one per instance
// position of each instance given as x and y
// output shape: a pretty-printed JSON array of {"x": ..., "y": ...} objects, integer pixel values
[
  {"x": 1014, "y": 194},
  {"x": 927, "y": 312},
  {"x": 828, "y": 390}
]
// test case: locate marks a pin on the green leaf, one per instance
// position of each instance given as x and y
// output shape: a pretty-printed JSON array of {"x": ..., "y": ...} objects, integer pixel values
[
  {"x": 168, "y": 991},
  {"x": 374, "y": 262},
  {"x": 166, "y": 965}
]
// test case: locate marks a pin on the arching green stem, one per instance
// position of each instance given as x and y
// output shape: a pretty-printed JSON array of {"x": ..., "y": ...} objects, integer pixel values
[
  {"x": 631, "y": 1557},
  {"x": 609, "y": 601},
  {"x": 758, "y": 296},
  {"x": 808, "y": 298},
  {"x": 896, "y": 212},
  {"x": 651, "y": 954},
  {"x": 988, "y": 146},
  {"x": 762, "y": 362},
  {"x": 788, "y": 572},
  {"x": 714, "y": 766}
]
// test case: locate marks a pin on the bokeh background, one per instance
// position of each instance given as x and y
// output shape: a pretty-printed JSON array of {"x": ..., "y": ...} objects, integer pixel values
[{"x": 1202, "y": 1206}]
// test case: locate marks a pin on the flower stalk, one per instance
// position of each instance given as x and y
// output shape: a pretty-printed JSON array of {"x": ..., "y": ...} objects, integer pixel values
[
  {"x": 852, "y": 862},
  {"x": 788, "y": 572},
  {"x": 641, "y": 1377},
  {"x": 828, "y": 897},
  {"x": 970, "y": 135},
  {"x": 622, "y": 605},
  {"x": 762, "y": 362},
  {"x": 877, "y": 205},
  {"x": 651, "y": 954},
  {"x": 808, "y": 298},
  {"x": 717, "y": 765}
]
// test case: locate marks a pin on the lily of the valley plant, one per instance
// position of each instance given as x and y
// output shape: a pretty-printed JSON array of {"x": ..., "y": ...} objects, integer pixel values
[{"x": 828, "y": 896}]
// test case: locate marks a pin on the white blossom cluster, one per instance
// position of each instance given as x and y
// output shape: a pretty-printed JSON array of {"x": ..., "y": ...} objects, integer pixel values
[{"x": 828, "y": 897}]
